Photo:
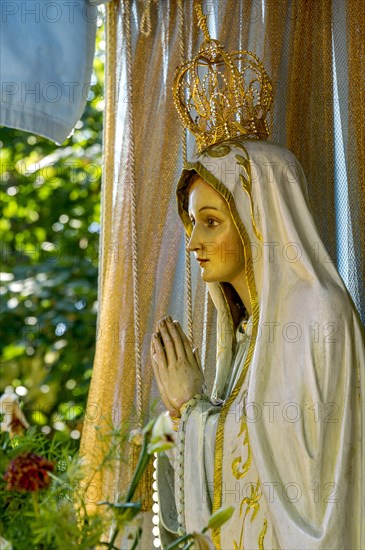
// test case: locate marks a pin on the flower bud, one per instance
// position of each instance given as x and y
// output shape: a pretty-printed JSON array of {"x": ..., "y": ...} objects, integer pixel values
[{"x": 219, "y": 517}]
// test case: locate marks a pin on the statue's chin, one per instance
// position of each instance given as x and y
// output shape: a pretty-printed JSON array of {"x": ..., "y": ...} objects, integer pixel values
[{"x": 208, "y": 279}]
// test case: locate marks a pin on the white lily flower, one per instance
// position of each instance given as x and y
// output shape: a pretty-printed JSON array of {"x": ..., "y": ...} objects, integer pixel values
[
  {"x": 5, "y": 544},
  {"x": 163, "y": 435},
  {"x": 14, "y": 420}
]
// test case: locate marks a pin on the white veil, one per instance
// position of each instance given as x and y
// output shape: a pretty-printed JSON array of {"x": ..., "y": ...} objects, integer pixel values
[{"x": 306, "y": 361}]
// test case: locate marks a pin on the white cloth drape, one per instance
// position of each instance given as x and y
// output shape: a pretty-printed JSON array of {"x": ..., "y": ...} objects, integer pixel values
[{"x": 46, "y": 59}]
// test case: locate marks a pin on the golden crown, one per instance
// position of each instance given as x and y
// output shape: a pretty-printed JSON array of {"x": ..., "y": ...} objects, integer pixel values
[{"x": 220, "y": 95}]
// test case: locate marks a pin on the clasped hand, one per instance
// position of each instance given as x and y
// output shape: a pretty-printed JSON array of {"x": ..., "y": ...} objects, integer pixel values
[{"x": 176, "y": 366}]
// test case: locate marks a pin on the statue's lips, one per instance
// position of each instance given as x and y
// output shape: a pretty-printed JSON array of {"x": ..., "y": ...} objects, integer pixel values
[{"x": 201, "y": 261}]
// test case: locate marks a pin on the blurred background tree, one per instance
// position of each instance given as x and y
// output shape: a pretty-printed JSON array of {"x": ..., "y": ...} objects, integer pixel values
[{"x": 50, "y": 214}]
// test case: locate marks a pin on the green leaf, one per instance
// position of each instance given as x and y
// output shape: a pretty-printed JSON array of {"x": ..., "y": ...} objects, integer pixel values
[{"x": 124, "y": 512}]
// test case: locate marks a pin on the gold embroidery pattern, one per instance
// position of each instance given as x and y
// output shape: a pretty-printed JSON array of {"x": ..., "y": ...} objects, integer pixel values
[
  {"x": 262, "y": 535},
  {"x": 239, "y": 474},
  {"x": 252, "y": 502},
  {"x": 252, "y": 505},
  {"x": 247, "y": 186}
]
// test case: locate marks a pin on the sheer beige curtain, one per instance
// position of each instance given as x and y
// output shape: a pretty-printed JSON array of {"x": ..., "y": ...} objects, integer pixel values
[
  {"x": 142, "y": 249},
  {"x": 308, "y": 47}
]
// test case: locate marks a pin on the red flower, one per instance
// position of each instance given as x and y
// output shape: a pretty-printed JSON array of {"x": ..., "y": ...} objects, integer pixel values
[{"x": 28, "y": 472}]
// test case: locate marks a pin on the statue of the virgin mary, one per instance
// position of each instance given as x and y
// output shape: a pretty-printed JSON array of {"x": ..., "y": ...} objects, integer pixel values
[{"x": 281, "y": 437}]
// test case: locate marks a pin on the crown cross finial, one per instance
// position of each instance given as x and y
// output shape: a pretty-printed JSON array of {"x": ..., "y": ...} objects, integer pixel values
[
  {"x": 219, "y": 95},
  {"x": 202, "y": 21}
]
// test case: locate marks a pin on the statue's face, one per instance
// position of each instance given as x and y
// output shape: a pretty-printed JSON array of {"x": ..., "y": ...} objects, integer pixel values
[{"x": 215, "y": 240}]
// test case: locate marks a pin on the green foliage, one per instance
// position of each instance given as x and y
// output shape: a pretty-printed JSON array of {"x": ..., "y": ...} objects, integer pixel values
[
  {"x": 55, "y": 517},
  {"x": 50, "y": 213},
  {"x": 52, "y": 511}
]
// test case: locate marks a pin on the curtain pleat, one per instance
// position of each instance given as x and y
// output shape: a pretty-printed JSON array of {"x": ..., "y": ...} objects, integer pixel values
[
  {"x": 356, "y": 148},
  {"x": 309, "y": 109},
  {"x": 276, "y": 56},
  {"x": 156, "y": 150}
]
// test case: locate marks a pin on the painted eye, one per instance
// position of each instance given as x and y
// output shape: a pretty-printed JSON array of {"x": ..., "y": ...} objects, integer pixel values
[{"x": 211, "y": 222}]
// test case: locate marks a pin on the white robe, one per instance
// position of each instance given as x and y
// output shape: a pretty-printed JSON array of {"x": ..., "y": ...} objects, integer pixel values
[
  {"x": 302, "y": 377},
  {"x": 201, "y": 428}
]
